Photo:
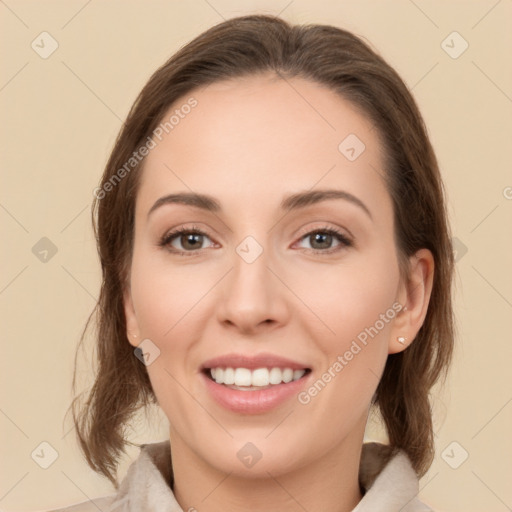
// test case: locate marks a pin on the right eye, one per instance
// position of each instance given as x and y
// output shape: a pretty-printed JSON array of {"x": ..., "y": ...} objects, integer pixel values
[{"x": 184, "y": 240}]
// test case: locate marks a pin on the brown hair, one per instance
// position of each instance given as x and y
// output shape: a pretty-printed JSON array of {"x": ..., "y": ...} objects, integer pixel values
[{"x": 342, "y": 62}]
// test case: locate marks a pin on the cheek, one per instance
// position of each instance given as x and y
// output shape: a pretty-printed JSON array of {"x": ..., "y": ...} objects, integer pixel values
[
  {"x": 350, "y": 297},
  {"x": 166, "y": 295},
  {"x": 167, "y": 303},
  {"x": 357, "y": 303},
  {"x": 172, "y": 307}
]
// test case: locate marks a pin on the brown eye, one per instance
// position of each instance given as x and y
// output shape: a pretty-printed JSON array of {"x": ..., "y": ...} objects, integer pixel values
[
  {"x": 191, "y": 241},
  {"x": 185, "y": 240},
  {"x": 320, "y": 241},
  {"x": 326, "y": 240}
]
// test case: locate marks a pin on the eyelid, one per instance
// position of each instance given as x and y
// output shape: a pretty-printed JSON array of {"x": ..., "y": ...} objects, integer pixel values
[{"x": 327, "y": 226}]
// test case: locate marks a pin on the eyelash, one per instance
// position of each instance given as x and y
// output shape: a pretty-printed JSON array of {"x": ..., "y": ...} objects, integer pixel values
[{"x": 166, "y": 240}]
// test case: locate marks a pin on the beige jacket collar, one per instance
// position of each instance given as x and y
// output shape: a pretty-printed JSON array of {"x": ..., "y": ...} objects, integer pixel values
[{"x": 389, "y": 487}]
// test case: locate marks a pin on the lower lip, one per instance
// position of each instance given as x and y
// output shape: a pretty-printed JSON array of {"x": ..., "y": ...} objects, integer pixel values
[{"x": 253, "y": 402}]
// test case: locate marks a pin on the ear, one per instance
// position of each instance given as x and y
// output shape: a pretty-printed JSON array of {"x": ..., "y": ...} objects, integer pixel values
[
  {"x": 414, "y": 296},
  {"x": 132, "y": 326}
]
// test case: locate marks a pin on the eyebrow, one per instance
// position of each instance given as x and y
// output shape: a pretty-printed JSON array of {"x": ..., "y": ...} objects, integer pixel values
[{"x": 291, "y": 202}]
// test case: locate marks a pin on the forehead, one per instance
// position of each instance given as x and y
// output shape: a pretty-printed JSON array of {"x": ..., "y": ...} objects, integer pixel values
[{"x": 260, "y": 135}]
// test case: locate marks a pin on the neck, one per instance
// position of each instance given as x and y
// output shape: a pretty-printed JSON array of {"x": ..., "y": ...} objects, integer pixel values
[{"x": 329, "y": 483}]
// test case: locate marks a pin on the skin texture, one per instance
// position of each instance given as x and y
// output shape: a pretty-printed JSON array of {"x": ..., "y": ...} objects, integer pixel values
[{"x": 249, "y": 143}]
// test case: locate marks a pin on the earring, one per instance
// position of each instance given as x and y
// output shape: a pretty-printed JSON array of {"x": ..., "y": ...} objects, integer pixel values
[
  {"x": 401, "y": 340},
  {"x": 134, "y": 335}
]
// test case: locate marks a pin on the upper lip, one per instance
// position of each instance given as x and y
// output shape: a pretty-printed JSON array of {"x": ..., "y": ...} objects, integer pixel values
[{"x": 253, "y": 362}]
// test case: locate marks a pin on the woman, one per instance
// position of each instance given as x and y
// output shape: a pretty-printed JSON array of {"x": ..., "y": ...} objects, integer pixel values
[{"x": 276, "y": 262}]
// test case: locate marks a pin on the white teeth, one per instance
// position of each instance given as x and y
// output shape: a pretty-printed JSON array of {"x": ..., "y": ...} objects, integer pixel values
[
  {"x": 242, "y": 377},
  {"x": 229, "y": 376},
  {"x": 260, "y": 377},
  {"x": 297, "y": 374},
  {"x": 219, "y": 375},
  {"x": 287, "y": 375},
  {"x": 275, "y": 376}
]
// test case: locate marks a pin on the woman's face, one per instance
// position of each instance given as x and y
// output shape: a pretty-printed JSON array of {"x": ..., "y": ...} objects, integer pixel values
[{"x": 287, "y": 270}]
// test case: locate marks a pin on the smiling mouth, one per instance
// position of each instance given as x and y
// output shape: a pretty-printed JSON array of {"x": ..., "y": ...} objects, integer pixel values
[{"x": 244, "y": 379}]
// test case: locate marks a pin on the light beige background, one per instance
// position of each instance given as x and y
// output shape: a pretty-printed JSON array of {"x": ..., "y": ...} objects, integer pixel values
[{"x": 60, "y": 117}]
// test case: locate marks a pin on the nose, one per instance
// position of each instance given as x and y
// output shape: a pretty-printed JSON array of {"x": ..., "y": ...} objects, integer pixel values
[{"x": 253, "y": 298}]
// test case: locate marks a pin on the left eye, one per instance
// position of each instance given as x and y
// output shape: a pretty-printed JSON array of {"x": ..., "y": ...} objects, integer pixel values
[{"x": 323, "y": 239}]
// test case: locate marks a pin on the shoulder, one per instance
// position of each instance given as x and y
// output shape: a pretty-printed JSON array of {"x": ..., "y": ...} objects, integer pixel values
[
  {"x": 89, "y": 505},
  {"x": 148, "y": 473},
  {"x": 389, "y": 480}
]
